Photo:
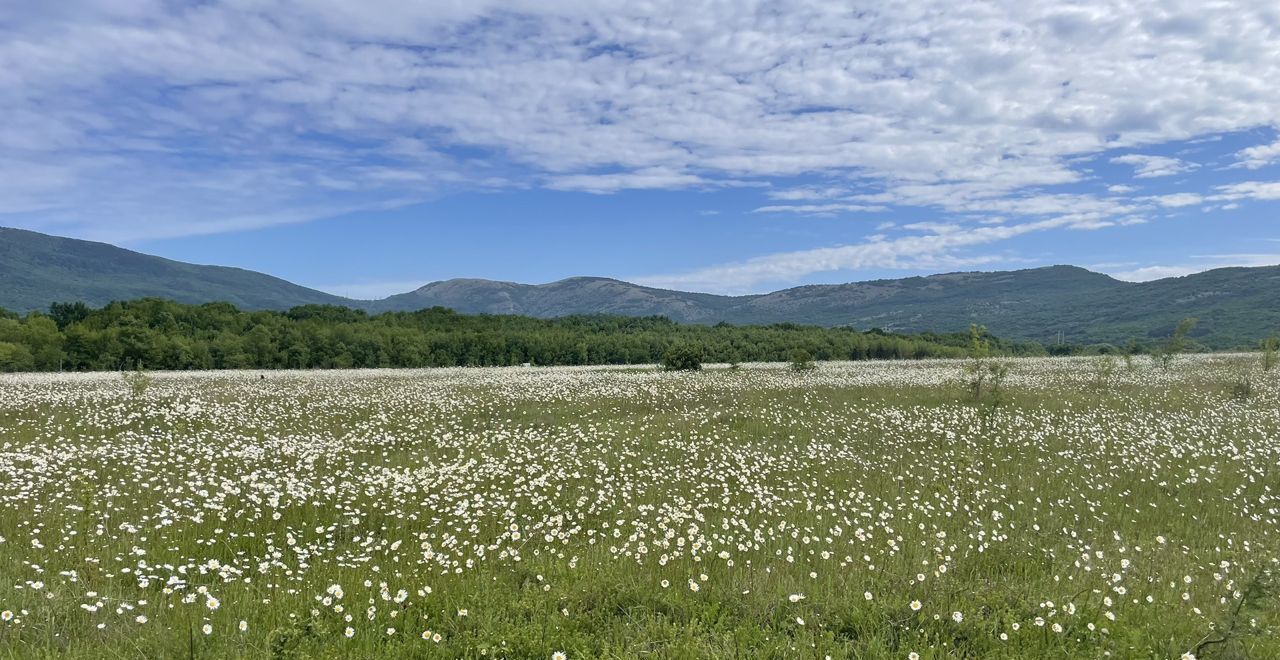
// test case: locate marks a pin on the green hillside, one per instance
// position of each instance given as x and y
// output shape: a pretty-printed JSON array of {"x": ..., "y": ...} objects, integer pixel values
[
  {"x": 38, "y": 269},
  {"x": 1236, "y": 306}
]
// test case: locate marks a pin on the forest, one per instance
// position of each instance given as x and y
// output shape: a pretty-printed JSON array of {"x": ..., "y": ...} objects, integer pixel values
[{"x": 153, "y": 333}]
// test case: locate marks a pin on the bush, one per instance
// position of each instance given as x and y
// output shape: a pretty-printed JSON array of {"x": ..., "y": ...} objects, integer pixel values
[
  {"x": 682, "y": 357},
  {"x": 138, "y": 381},
  {"x": 1241, "y": 388},
  {"x": 1104, "y": 370},
  {"x": 985, "y": 377},
  {"x": 1164, "y": 355},
  {"x": 802, "y": 361},
  {"x": 1270, "y": 352}
]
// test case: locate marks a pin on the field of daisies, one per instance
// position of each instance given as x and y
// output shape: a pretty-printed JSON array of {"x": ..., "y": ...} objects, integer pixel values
[{"x": 868, "y": 510}]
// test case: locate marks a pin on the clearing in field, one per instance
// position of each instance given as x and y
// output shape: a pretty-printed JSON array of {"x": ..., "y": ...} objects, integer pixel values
[{"x": 870, "y": 510}]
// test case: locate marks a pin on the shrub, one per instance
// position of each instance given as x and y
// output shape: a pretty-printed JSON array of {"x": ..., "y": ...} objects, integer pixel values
[
  {"x": 137, "y": 380},
  {"x": 986, "y": 377},
  {"x": 682, "y": 357},
  {"x": 1104, "y": 369},
  {"x": 1270, "y": 352},
  {"x": 1130, "y": 350},
  {"x": 1164, "y": 356},
  {"x": 802, "y": 361},
  {"x": 1242, "y": 387}
]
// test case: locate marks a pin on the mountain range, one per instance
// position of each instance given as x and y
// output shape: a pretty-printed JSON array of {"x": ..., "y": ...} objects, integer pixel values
[{"x": 1236, "y": 306}]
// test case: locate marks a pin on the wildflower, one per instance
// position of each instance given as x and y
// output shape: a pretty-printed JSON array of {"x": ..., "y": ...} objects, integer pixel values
[
  {"x": 916, "y": 605},
  {"x": 559, "y": 655},
  {"x": 207, "y": 629},
  {"x": 141, "y": 618},
  {"x": 349, "y": 632},
  {"x": 795, "y": 598},
  {"x": 244, "y": 625},
  {"x": 212, "y": 603},
  {"x": 957, "y": 617},
  {"x": 799, "y": 621}
]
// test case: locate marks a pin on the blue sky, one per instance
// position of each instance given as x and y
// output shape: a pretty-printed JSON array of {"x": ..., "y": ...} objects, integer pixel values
[{"x": 735, "y": 146}]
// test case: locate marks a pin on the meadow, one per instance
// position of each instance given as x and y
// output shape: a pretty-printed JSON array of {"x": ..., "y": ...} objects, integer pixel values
[{"x": 858, "y": 510}]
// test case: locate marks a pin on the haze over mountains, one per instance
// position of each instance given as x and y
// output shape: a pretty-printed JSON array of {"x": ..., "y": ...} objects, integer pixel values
[{"x": 1236, "y": 306}]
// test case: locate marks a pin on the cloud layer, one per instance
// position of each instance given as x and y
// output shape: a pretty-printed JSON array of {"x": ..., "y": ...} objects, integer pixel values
[{"x": 146, "y": 118}]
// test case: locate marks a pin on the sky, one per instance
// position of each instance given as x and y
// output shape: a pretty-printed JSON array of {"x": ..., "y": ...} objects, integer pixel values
[{"x": 729, "y": 146}]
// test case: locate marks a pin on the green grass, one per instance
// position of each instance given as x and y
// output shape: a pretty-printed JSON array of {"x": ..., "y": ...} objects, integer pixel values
[{"x": 867, "y": 478}]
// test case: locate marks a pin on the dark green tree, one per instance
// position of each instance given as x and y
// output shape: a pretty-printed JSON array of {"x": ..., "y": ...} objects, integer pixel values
[{"x": 682, "y": 357}]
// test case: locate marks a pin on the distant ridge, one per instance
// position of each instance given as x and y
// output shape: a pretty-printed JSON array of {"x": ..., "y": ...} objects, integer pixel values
[
  {"x": 1236, "y": 306},
  {"x": 575, "y": 295},
  {"x": 37, "y": 269}
]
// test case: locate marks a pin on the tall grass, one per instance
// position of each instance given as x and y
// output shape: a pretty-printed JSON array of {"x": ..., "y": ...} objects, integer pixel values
[{"x": 865, "y": 510}]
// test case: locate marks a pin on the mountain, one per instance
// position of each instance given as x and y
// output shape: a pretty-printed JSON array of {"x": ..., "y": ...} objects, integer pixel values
[
  {"x": 38, "y": 269},
  {"x": 947, "y": 301},
  {"x": 1236, "y": 306},
  {"x": 576, "y": 295}
]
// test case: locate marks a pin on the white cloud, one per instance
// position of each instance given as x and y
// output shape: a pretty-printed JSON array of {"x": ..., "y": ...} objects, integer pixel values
[
  {"x": 1148, "y": 273},
  {"x": 809, "y": 193},
  {"x": 649, "y": 177},
  {"x": 1177, "y": 200},
  {"x": 936, "y": 249},
  {"x": 1147, "y": 167},
  {"x": 1260, "y": 190},
  {"x": 933, "y": 227},
  {"x": 820, "y": 209},
  {"x": 145, "y": 118},
  {"x": 1201, "y": 264},
  {"x": 1259, "y": 156}
]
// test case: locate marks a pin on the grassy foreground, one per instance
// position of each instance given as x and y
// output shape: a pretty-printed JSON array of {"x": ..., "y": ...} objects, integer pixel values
[{"x": 863, "y": 510}]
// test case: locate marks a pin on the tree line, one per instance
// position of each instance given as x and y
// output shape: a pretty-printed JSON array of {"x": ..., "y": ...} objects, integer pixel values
[{"x": 153, "y": 333}]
